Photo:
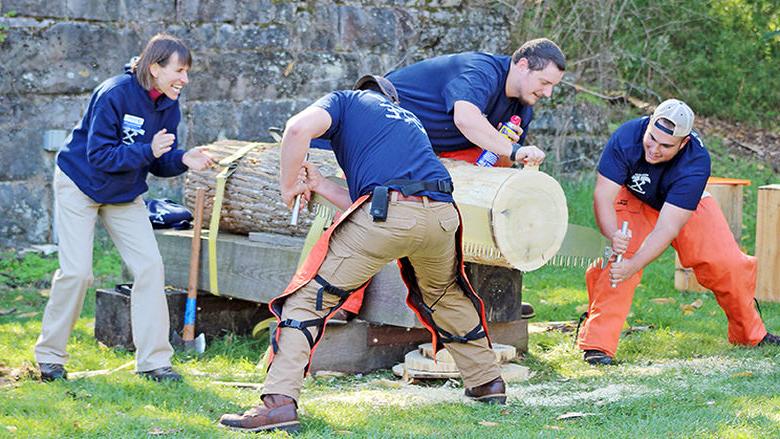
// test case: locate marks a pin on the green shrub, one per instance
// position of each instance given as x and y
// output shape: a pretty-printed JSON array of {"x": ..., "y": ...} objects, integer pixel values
[{"x": 721, "y": 56}]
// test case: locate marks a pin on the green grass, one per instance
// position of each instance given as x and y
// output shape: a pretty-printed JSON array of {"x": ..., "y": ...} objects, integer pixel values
[{"x": 678, "y": 378}]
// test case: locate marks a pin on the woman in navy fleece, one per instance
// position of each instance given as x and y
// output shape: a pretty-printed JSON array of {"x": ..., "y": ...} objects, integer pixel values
[{"x": 128, "y": 130}]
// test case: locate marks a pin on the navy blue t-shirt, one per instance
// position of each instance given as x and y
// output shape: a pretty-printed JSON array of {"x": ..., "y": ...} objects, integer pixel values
[
  {"x": 430, "y": 88},
  {"x": 376, "y": 141},
  {"x": 680, "y": 181}
]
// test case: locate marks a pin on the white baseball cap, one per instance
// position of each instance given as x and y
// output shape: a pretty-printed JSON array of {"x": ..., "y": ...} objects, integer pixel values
[{"x": 678, "y": 113}]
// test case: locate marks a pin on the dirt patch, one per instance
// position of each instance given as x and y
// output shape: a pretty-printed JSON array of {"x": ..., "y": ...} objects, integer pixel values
[{"x": 763, "y": 144}]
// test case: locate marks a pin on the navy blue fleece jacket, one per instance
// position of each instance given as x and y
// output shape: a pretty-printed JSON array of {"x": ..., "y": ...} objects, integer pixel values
[{"x": 109, "y": 153}]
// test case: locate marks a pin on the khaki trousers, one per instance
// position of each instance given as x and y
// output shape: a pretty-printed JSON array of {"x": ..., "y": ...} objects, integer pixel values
[
  {"x": 359, "y": 248},
  {"x": 129, "y": 227}
]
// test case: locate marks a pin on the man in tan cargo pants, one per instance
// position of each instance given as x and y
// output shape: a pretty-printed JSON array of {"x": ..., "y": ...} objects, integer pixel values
[{"x": 398, "y": 206}]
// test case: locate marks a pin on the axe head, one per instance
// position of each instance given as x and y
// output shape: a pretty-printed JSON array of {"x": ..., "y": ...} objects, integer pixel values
[{"x": 197, "y": 345}]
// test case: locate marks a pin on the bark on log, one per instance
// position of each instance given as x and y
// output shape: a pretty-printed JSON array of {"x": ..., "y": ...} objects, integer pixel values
[{"x": 252, "y": 201}]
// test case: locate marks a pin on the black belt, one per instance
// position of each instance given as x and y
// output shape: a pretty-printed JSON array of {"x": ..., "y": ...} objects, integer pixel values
[{"x": 380, "y": 199}]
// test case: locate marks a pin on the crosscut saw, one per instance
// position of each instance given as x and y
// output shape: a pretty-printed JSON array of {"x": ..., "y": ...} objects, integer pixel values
[{"x": 581, "y": 247}]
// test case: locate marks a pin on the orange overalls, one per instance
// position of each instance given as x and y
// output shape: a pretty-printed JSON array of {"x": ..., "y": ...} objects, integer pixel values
[{"x": 705, "y": 244}]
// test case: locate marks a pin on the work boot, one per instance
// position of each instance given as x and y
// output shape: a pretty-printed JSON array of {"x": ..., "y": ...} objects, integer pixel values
[
  {"x": 527, "y": 311},
  {"x": 161, "y": 374},
  {"x": 52, "y": 371},
  {"x": 769, "y": 339},
  {"x": 278, "y": 412},
  {"x": 597, "y": 358},
  {"x": 492, "y": 392}
]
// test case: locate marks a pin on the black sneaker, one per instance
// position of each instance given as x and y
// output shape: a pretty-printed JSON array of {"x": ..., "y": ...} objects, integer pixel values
[
  {"x": 769, "y": 339},
  {"x": 161, "y": 374},
  {"x": 597, "y": 358},
  {"x": 52, "y": 371}
]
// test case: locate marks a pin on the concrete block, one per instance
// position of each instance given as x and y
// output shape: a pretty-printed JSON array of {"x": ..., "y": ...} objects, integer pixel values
[{"x": 54, "y": 139}]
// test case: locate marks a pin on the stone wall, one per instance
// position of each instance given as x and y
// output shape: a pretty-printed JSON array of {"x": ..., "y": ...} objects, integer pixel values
[{"x": 255, "y": 64}]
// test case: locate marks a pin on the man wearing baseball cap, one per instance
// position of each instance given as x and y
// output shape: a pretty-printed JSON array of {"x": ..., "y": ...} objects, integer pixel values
[{"x": 652, "y": 173}]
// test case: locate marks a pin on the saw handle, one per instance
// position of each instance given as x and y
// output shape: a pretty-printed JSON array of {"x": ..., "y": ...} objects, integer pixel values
[
  {"x": 618, "y": 258},
  {"x": 188, "y": 333}
]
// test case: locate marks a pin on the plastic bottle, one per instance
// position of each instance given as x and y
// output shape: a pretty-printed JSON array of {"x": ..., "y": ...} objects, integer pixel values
[{"x": 488, "y": 158}]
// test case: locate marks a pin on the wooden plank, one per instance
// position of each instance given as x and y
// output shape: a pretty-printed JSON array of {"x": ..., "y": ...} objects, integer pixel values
[
  {"x": 216, "y": 316},
  {"x": 768, "y": 243},
  {"x": 499, "y": 287},
  {"x": 385, "y": 300},
  {"x": 249, "y": 270},
  {"x": 344, "y": 348},
  {"x": 349, "y": 348},
  {"x": 259, "y": 268},
  {"x": 513, "y": 333}
]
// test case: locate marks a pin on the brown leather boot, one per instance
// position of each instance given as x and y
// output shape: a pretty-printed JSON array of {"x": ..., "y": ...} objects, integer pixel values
[
  {"x": 492, "y": 392},
  {"x": 278, "y": 412}
]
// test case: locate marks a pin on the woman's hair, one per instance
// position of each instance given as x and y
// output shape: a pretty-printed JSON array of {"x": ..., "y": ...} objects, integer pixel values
[{"x": 159, "y": 50}]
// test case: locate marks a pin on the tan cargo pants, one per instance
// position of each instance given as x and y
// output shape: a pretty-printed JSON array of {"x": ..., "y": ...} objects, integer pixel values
[
  {"x": 129, "y": 227},
  {"x": 359, "y": 248}
]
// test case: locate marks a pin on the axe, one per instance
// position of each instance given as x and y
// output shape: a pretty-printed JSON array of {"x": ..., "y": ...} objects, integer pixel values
[{"x": 188, "y": 339}]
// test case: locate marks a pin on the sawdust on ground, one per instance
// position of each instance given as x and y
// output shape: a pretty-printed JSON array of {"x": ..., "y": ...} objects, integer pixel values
[{"x": 550, "y": 394}]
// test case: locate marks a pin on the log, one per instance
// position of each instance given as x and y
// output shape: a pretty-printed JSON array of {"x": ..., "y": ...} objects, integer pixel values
[
  {"x": 512, "y": 218},
  {"x": 252, "y": 200},
  {"x": 768, "y": 244}
]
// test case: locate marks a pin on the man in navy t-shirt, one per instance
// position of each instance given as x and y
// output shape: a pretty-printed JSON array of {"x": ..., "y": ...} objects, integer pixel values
[
  {"x": 398, "y": 205},
  {"x": 461, "y": 98},
  {"x": 652, "y": 174}
]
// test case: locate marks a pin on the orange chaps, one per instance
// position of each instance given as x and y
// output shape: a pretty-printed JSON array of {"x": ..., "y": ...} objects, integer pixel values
[{"x": 705, "y": 244}]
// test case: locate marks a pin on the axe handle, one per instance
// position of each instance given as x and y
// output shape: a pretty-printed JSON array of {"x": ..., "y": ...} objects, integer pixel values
[
  {"x": 297, "y": 205},
  {"x": 277, "y": 136},
  {"x": 188, "y": 333}
]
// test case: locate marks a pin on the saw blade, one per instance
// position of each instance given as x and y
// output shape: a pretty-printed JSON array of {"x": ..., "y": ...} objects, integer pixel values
[{"x": 581, "y": 247}]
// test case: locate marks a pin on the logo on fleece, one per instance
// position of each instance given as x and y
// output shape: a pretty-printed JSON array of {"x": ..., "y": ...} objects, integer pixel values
[
  {"x": 639, "y": 180},
  {"x": 131, "y": 128}
]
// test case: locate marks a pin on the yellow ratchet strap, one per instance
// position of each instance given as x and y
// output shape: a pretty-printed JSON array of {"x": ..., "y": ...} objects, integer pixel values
[{"x": 229, "y": 164}]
